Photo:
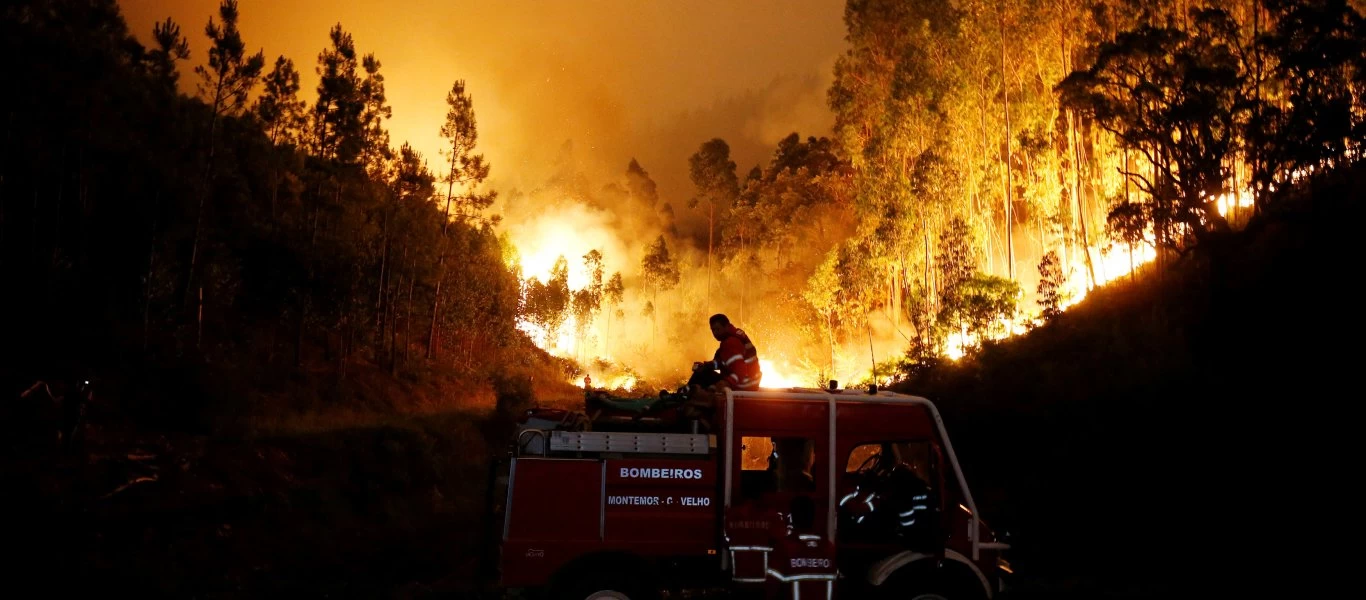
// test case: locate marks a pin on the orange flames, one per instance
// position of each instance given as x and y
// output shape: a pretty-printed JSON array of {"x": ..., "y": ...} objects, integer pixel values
[{"x": 574, "y": 231}]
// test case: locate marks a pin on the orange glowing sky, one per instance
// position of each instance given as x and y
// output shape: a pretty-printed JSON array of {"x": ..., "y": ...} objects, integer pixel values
[{"x": 621, "y": 79}]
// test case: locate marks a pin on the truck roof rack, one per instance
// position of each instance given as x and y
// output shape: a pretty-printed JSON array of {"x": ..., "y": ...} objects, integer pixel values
[{"x": 626, "y": 442}]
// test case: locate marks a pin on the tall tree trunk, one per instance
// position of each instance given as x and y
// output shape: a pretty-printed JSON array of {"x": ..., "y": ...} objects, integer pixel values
[
  {"x": 393, "y": 329},
  {"x": 1081, "y": 207},
  {"x": 711, "y": 227},
  {"x": 900, "y": 288},
  {"x": 1067, "y": 225},
  {"x": 205, "y": 187},
  {"x": 872, "y": 358},
  {"x": 436, "y": 304},
  {"x": 929, "y": 282},
  {"x": 1010, "y": 219},
  {"x": 1256, "y": 105},
  {"x": 441, "y": 263},
  {"x": 1126, "y": 176},
  {"x": 1233, "y": 193},
  {"x": 1127, "y": 169},
  {"x": 408, "y": 316},
  {"x": 986, "y": 145},
  {"x": 744, "y": 280},
  {"x": 381, "y": 285},
  {"x": 830, "y": 331}
]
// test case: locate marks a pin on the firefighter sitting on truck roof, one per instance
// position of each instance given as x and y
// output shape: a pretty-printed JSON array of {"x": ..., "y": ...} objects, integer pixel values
[
  {"x": 735, "y": 366},
  {"x": 736, "y": 363}
]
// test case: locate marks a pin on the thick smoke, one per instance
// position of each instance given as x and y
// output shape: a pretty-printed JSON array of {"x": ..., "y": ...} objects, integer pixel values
[{"x": 566, "y": 97}]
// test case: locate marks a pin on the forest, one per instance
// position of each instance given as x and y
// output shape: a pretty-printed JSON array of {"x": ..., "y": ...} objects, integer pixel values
[
  {"x": 1104, "y": 236},
  {"x": 205, "y": 222}
]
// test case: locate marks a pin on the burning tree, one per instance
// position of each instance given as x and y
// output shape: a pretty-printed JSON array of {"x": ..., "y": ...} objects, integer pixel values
[
  {"x": 972, "y": 303},
  {"x": 547, "y": 304},
  {"x": 659, "y": 271},
  {"x": 713, "y": 172},
  {"x": 588, "y": 300},
  {"x": 612, "y": 293},
  {"x": 1174, "y": 96}
]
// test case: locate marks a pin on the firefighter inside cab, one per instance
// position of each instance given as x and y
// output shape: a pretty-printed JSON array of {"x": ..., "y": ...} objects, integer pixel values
[{"x": 735, "y": 366}]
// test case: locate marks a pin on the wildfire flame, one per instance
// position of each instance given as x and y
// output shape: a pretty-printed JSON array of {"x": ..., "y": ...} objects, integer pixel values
[
  {"x": 1110, "y": 264},
  {"x": 542, "y": 241},
  {"x": 625, "y": 382},
  {"x": 779, "y": 378},
  {"x": 560, "y": 344}
]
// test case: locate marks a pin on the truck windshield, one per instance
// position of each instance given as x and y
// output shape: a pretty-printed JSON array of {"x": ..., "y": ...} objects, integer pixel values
[{"x": 913, "y": 455}]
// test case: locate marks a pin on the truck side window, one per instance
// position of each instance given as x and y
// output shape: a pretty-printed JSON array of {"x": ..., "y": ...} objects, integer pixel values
[
  {"x": 754, "y": 453},
  {"x": 782, "y": 464}
]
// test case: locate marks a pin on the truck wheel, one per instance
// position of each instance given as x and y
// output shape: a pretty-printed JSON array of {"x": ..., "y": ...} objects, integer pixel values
[
  {"x": 930, "y": 586},
  {"x": 938, "y": 592},
  {"x": 602, "y": 585}
]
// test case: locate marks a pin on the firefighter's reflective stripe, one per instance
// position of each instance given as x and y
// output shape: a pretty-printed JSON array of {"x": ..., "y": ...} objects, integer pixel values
[
  {"x": 813, "y": 586},
  {"x": 742, "y": 383},
  {"x": 738, "y": 552},
  {"x": 738, "y": 360},
  {"x": 751, "y": 530},
  {"x": 803, "y": 566}
]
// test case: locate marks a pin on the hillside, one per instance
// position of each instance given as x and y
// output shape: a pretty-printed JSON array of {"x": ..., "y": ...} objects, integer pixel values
[{"x": 1141, "y": 440}]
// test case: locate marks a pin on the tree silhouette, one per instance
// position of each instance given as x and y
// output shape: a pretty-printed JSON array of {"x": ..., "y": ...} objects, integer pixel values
[
  {"x": 171, "y": 47},
  {"x": 713, "y": 174},
  {"x": 612, "y": 294},
  {"x": 1050, "y": 288},
  {"x": 1174, "y": 97},
  {"x": 660, "y": 272}
]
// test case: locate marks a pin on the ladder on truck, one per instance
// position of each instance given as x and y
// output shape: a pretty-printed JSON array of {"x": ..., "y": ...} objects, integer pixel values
[{"x": 613, "y": 442}]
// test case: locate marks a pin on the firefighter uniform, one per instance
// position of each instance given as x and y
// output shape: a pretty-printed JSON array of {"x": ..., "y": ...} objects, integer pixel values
[
  {"x": 803, "y": 566},
  {"x": 752, "y": 530},
  {"x": 738, "y": 361}
]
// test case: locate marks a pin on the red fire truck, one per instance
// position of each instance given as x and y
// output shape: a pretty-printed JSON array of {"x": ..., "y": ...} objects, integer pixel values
[{"x": 801, "y": 492}]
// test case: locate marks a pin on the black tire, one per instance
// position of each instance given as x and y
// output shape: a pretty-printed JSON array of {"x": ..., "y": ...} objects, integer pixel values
[
  {"x": 624, "y": 584},
  {"x": 926, "y": 584}
]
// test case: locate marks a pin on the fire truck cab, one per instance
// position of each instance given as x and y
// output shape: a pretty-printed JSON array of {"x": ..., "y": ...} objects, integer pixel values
[{"x": 793, "y": 493}]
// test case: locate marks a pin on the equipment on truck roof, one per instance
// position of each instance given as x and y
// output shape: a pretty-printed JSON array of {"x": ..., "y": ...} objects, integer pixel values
[{"x": 665, "y": 412}]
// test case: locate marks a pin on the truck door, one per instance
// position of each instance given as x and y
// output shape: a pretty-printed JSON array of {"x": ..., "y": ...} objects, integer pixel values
[{"x": 780, "y": 450}]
